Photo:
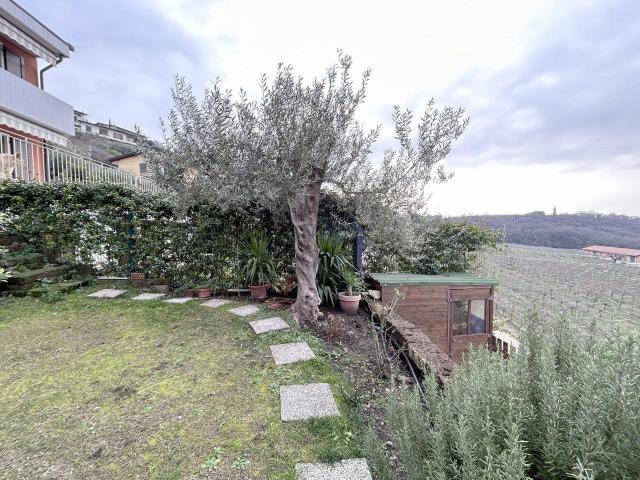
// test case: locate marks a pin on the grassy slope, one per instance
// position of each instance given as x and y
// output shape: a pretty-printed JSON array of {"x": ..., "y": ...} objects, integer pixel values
[{"x": 147, "y": 389}]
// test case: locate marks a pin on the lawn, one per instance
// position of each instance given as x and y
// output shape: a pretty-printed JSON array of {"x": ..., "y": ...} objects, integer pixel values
[{"x": 123, "y": 389}]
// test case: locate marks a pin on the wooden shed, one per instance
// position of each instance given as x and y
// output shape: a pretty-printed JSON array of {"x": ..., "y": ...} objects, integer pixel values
[{"x": 453, "y": 310}]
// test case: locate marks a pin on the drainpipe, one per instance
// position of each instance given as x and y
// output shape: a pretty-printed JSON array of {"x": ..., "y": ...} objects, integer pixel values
[{"x": 47, "y": 68}]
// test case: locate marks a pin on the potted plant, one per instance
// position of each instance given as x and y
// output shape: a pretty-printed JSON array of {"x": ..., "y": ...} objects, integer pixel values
[
  {"x": 350, "y": 300},
  {"x": 258, "y": 269},
  {"x": 161, "y": 285},
  {"x": 190, "y": 292},
  {"x": 204, "y": 292}
]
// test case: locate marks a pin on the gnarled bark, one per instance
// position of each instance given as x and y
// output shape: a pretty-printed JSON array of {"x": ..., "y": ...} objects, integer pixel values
[{"x": 304, "y": 216}]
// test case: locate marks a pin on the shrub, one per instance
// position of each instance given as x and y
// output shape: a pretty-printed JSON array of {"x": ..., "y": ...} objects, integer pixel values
[
  {"x": 116, "y": 229},
  {"x": 564, "y": 407},
  {"x": 258, "y": 266},
  {"x": 332, "y": 261},
  {"x": 449, "y": 246},
  {"x": 4, "y": 222}
]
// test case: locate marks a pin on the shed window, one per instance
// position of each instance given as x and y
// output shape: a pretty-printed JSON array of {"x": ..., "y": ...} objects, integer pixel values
[
  {"x": 468, "y": 317},
  {"x": 143, "y": 168},
  {"x": 460, "y": 317},
  {"x": 477, "y": 323}
]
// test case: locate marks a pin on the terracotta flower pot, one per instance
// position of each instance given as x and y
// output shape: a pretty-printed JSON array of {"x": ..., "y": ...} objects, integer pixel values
[
  {"x": 190, "y": 292},
  {"x": 204, "y": 293},
  {"x": 349, "y": 303},
  {"x": 258, "y": 292}
]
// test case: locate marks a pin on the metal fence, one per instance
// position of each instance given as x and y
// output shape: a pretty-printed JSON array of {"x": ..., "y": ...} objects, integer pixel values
[{"x": 32, "y": 161}]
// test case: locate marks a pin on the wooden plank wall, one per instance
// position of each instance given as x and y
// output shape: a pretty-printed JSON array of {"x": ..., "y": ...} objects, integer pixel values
[{"x": 427, "y": 307}]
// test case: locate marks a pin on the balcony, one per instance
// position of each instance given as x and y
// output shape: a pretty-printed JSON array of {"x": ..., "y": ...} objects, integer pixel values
[
  {"x": 28, "y": 102},
  {"x": 31, "y": 161}
]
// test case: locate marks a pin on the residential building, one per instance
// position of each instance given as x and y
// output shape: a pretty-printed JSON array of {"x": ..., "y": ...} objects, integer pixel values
[
  {"x": 30, "y": 118},
  {"x": 629, "y": 255},
  {"x": 106, "y": 130},
  {"x": 132, "y": 162}
]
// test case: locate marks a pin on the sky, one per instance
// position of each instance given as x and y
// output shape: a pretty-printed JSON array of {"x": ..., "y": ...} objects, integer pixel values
[{"x": 552, "y": 88}]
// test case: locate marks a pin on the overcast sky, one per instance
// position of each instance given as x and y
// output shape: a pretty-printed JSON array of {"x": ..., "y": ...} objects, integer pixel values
[{"x": 552, "y": 87}]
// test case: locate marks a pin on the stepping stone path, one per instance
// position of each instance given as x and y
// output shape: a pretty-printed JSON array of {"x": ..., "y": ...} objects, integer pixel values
[
  {"x": 215, "y": 303},
  {"x": 302, "y": 402},
  {"x": 297, "y": 402},
  {"x": 268, "y": 325},
  {"x": 291, "y": 353},
  {"x": 106, "y": 293},
  {"x": 179, "y": 300},
  {"x": 245, "y": 310},
  {"x": 148, "y": 296},
  {"x": 352, "y": 469}
]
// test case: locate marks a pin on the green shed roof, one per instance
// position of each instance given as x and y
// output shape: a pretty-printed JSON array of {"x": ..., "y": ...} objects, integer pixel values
[{"x": 385, "y": 279}]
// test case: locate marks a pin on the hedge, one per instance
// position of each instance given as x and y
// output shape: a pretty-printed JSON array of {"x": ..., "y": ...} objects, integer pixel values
[{"x": 116, "y": 230}]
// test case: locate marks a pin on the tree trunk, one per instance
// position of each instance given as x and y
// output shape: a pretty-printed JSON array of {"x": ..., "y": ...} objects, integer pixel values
[{"x": 304, "y": 216}]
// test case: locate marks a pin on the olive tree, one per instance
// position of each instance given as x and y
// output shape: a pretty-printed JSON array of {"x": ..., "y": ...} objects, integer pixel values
[{"x": 281, "y": 149}]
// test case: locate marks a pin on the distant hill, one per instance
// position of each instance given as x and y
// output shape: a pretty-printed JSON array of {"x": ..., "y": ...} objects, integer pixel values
[
  {"x": 98, "y": 148},
  {"x": 564, "y": 231}
]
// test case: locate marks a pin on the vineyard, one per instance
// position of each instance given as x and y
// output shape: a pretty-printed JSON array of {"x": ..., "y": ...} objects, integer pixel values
[{"x": 561, "y": 284}]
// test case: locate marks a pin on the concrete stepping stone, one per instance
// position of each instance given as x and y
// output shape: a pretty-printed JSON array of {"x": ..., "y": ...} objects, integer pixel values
[
  {"x": 106, "y": 293},
  {"x": 271, "y": 324},
  {"x": 302, "y": 402},
  {"x": 215, "y": 303},
  {"x": 351, "y": 469},
  {"x": 179, "y": 300},
  {"x": 291, "y": 353},
  {"x": 149, "y": 296},
  {"x": 245, "y": 310}
]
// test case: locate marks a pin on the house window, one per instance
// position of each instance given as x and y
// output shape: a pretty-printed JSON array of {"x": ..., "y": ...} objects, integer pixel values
[
  {"x": 143, "y": 168},
  {"x": 468, "y": 317},
  {"x": 117, "y": 136},
  {"x": 87, "y": 128},
  {"x": 103, "y": 131},
  {"x": 12, "y": 63}
]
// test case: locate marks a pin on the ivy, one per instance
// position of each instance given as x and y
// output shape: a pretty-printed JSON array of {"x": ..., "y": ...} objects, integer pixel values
[{"x": 115, "y": 229}]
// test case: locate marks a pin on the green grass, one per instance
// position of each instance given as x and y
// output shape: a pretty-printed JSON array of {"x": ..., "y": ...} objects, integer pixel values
[{"x": 120, "y": 389}]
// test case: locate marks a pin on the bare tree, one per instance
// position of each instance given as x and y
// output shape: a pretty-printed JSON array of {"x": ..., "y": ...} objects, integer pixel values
[{"x": 282, "y": 149}]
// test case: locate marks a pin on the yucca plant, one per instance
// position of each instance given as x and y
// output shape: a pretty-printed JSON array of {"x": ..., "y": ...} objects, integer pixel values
[
  {"x": 258, "y": 268},
  {"x": 332, "y": 261},
  {"x": 352, "y": 281}
]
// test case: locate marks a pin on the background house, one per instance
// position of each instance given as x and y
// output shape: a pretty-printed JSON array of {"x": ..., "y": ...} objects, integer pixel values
[
  {"x": 132, "y": 162},
  {"x": 29, "y": 116},
  {"x": 105, "y": 130},
  {"x": 630, "y": 255}
]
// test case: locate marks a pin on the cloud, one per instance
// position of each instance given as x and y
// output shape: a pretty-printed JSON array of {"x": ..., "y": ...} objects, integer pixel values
[
  {"x": 572, "y": 99},
  {"x": 551, "y": 87},
  {"x": 125, "y": 57}
]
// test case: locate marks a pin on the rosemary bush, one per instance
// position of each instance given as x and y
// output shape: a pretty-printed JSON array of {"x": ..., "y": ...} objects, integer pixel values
[{"x": 565, "y": 407}]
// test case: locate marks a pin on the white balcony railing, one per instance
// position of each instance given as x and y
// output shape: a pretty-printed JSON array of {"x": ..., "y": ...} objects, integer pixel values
[{"x": 29, "y": 161}]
